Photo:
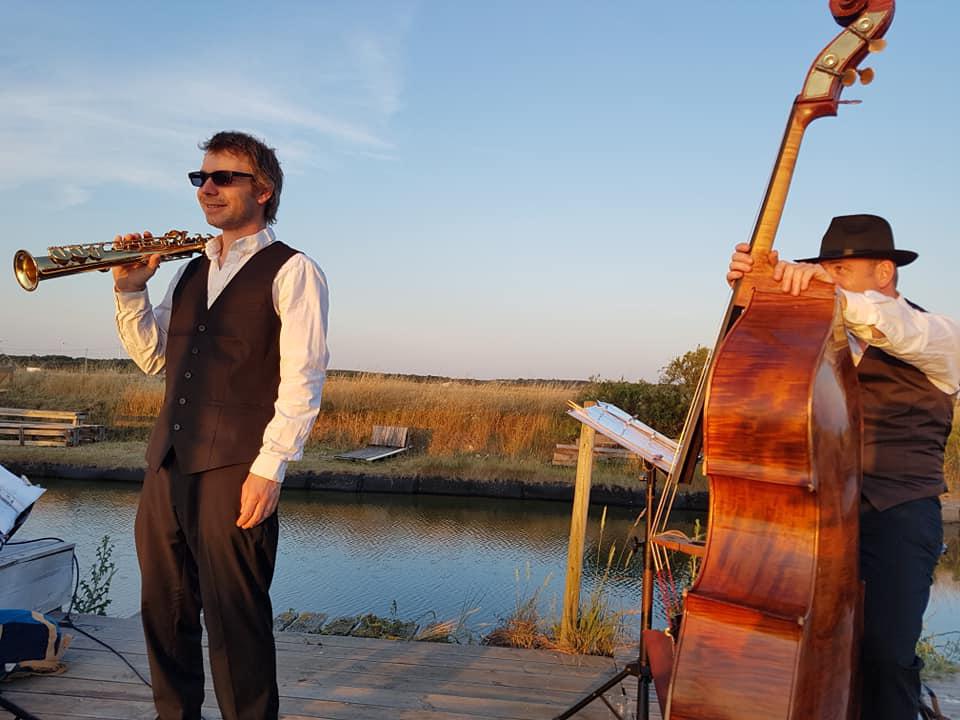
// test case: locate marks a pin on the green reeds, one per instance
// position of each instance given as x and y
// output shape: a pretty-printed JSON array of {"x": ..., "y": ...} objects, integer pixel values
[
  {"x": 598, "y": 628},
  {"x": 940, "y": 654}
]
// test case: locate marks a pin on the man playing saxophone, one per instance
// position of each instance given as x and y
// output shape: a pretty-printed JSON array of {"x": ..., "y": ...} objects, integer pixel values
[{"x": 241, "y": 336}]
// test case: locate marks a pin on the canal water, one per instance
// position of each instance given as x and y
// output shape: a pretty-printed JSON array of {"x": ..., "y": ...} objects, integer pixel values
[{"x": 420, "y": 558}]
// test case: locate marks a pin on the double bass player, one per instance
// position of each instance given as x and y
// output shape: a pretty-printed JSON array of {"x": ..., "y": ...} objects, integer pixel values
[{"x": 908, "y": 368}]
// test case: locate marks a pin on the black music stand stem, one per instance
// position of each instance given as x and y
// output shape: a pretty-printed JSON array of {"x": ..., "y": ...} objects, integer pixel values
[
  {"x": 18, "y": 712},
  {"x": 638, "y": 668}
]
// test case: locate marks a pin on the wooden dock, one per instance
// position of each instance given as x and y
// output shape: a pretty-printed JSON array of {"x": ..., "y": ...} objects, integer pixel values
[
  {"x": 336, "y": 678},
  {"x": 347, "y": 678}
]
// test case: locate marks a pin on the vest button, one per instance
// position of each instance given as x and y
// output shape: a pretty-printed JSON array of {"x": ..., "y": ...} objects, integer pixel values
[
  {"x": 188, "y": 374},
  {"x": 176, "y": 426},
  {"x": 202, "y": 328},
  {"x": 182, "y": 401},
  {"x": 194, "y": 351}
]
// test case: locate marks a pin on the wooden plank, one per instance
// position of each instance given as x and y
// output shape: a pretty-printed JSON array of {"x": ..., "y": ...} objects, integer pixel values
[
  {"x": 533, "y": 664},
  {"x": 37, "y": 443},
  {"x": 371, "y": 453},
  {"x": 476, "y": 677},
  {"x": 389, "y": 436},
  {"x": 578, "y": 531},
  {"x": 71, "y": 416},
  {"x": 37, "y": 424},
  {"x": 38, "y": 433}
]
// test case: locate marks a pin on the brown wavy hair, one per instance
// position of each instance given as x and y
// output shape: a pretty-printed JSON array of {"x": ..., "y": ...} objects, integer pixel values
[{"x": 266, "y": 167}]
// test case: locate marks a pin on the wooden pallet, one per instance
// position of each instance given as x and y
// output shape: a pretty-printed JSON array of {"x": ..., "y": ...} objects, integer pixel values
[
  {"x": 47, "y": 434},
  {"x": 64, "y": 428}
]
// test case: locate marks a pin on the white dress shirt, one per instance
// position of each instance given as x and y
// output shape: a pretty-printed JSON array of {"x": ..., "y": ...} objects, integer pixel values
[
  {"x": 301, "y": 301},
  {"x": 929, "y": 342}
]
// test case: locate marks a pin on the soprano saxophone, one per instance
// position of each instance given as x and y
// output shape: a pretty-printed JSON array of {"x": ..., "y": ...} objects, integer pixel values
[{"x": 72, "y": 259}]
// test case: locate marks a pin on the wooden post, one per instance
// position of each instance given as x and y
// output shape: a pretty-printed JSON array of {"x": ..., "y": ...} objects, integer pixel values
[{"x": 578, "y": 531}]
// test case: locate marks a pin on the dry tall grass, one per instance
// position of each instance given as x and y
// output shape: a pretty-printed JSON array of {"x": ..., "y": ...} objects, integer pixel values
[
  {"x": 512, "y": 420},
  {"x": 446, "y": 418},
  {"x": 497, "y": 418}
]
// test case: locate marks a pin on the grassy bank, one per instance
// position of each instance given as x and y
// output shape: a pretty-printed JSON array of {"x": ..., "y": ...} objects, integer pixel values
[
  {"x": 459, "y": 429},
  {"x": 127, "y": 454}
]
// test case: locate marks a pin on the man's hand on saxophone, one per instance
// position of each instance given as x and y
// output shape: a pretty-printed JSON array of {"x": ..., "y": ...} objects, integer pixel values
[{"x": 133, "y": 277}]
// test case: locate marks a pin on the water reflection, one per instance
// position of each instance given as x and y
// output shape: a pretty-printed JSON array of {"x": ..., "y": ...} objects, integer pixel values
[
  {"x": 943, "y": 613},
  {"x": 343, "y": 553}
]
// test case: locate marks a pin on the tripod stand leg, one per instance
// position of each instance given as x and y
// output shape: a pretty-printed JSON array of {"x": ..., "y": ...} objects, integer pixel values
[
  {"x": 638, "y": 668},
  {"x": 18, "y": 712},
  {"x": 631, "y": 669},
  {"x": 646, "y": 600}
]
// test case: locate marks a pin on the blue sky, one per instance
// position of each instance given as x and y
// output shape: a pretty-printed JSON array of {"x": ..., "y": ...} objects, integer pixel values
[{"x": 494, "y": 189}]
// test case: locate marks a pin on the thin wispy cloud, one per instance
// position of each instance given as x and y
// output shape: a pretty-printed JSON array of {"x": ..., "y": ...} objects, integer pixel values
[
  {"x": 378, "y": 65},
  {"x": 88, "y": 123}
]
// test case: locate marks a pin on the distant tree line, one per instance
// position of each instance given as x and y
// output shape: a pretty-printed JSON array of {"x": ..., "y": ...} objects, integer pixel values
[{"x": 66, "y": 362}]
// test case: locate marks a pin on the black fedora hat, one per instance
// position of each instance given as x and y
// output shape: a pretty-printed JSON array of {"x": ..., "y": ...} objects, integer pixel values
[{"x": 860, "y": 236}]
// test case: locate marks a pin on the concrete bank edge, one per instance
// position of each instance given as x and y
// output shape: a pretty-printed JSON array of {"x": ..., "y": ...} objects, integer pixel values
[{"x": 401, "y": 485}]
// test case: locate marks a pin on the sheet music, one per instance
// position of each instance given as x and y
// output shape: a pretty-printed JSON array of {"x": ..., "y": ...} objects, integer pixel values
[{"x": 628, "y": 432}]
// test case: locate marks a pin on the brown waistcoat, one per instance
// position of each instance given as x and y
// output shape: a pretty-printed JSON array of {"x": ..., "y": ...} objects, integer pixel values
[
  {"x": 222, "y": 366},
  {"x": 906, "y": 422}
]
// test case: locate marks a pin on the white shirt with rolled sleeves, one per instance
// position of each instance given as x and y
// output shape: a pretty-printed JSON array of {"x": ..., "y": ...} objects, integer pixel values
[
  {"x": 301, "y": 300},
  {"x": 929, "y": 342}
]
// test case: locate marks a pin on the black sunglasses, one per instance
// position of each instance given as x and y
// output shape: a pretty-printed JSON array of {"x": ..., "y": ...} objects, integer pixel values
[{"x": 221, "y": 178}]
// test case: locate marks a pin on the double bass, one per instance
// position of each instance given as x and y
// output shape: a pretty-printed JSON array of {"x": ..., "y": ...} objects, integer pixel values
[{"x": 771, "y": 624}]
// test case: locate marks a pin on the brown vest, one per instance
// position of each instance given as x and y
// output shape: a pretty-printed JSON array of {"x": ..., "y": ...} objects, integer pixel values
[
  {"x": 906, "y": 422},
  {"x": 222, "y": 366}
]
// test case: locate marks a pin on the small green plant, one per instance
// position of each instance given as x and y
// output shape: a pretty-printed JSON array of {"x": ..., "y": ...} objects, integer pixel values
[
  {"x": 940, "y": 657},
  {"x": 523, "y": 628},
  {"x": 452, "y": 630},
  {"x": 597, "y": 628},
  {"x": 93, "y": 597}
]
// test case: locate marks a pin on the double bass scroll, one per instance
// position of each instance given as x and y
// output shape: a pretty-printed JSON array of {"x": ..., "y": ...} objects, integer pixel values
[{"x": 833, "y": 69}]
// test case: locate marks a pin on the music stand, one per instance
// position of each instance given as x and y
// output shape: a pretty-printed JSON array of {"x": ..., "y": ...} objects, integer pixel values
[{"x": 657, "y": 452}]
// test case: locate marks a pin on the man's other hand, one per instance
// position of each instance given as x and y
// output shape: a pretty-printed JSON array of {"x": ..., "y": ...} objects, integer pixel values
[
  {"x": 258, "y": 500},
  {"x": 794, "y": 278},
  {"x": 741, "y": 263}
]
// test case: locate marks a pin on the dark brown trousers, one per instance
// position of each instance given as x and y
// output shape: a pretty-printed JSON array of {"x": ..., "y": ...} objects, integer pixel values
[{"x": 193, "y": 557}]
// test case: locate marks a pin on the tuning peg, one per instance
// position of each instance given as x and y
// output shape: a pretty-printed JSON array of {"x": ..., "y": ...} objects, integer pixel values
[
  {"x": 877, "y": 45},
  {"x": 848, "y": 77},
  {"x": 866, "y": 75}
]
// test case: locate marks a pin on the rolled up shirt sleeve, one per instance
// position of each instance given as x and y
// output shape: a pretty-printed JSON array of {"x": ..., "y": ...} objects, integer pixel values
[
  {"x": 143, "y": 328},
  {"x": 928, "y": 341},
  {"x": 301, "y": 300}
]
